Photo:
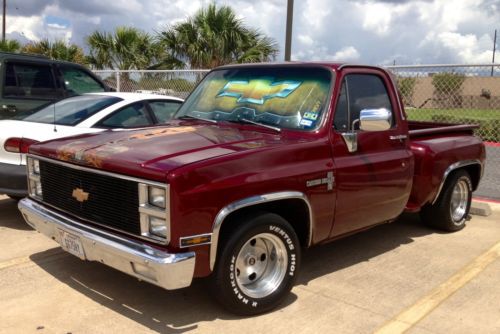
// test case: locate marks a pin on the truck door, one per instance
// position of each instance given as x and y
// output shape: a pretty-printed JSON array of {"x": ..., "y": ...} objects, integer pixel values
[{"x": 373, "y": 182}]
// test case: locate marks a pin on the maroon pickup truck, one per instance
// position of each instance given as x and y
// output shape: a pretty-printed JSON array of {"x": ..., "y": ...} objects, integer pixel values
[{"x": 260, "y": 162}]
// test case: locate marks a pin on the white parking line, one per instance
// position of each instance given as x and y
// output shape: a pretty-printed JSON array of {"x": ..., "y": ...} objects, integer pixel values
[{"x": 412, "y": 315}]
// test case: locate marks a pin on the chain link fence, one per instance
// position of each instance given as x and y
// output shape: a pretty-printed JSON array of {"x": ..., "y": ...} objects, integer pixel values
[
  {"x": 440, "y": 93},
  {"x": 458, "y": 94},
  {"x": 177, "y": 83}
]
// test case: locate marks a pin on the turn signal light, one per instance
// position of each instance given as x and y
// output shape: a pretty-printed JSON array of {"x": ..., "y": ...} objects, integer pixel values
[{"x": 18, "y": 145}]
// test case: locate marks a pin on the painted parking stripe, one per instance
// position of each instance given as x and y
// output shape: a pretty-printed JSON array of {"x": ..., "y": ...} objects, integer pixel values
[
  {"x": 14, "y": 262},
  {"x": 26, "y": 260},
  {"x": 408, "y": 318}
]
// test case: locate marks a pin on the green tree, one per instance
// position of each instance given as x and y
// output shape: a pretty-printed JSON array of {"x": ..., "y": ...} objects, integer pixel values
[
  {"x": 407, "y": 88},
  {"x": 448, "y": 89},
  {"x": 58, "y": 50},
  {"x": 214, "y": 36},
  {"x": 10, "y": 45},
  {"x": 127, "y": 48}
]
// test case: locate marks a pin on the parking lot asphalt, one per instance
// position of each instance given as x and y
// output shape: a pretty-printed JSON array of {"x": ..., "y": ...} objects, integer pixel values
[{"x": 393, "y": 278}]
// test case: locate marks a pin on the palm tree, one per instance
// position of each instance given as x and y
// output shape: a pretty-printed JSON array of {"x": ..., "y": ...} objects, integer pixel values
[
  {"x": 10, "y": 45},
  {"x": 59, "y": 50},
  {"x": 126, "y": 49},
  {"x": 215, "y": 36}
]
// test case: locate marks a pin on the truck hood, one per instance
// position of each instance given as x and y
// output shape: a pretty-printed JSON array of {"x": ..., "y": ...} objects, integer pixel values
[{"x": 152, "y": 152}]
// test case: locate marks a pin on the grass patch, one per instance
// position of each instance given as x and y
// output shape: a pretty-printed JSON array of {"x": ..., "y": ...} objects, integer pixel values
[
  {"x": 487, "y": 119},
  {"x": 428, "y": 114}
]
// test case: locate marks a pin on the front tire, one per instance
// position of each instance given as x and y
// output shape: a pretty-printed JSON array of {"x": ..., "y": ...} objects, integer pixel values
[
  {"x": 258, "y": 265},
  {"x": 451, "y": 210}
]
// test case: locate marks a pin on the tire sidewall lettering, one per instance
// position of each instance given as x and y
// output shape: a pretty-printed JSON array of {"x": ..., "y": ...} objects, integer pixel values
[{"x": 290, "y": 271}]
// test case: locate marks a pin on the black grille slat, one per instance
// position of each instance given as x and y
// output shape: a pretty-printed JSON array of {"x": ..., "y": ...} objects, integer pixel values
[{"x": 112, "y": 201}]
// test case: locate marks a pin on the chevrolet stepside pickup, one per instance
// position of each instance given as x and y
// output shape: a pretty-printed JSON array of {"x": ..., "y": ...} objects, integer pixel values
[{"x": 260, "y": 162}]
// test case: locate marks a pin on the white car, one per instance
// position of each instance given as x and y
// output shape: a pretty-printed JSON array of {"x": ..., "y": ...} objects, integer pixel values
[{"x": 72, "y": 116}]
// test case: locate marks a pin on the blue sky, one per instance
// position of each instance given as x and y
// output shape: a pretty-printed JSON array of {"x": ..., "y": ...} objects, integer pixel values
[{"x": 365, "y": 31}]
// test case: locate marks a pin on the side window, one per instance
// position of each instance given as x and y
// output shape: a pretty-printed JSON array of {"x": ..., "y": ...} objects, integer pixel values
[
  {"x": 79, "y": 81},
  {"x": 27, "y": 80},
  {"x": 164, "y": 110},
  {"x": 134, "y": 115},
  {"x": 363, "y": 91}
]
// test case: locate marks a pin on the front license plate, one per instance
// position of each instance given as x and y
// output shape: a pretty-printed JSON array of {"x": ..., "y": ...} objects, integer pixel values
[{"x": 72, "y": 244}]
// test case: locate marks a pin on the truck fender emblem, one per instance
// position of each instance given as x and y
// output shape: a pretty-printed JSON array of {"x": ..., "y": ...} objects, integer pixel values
[
  {"x": 80, "y": 195},
  {"x": 329, "y": 180}
]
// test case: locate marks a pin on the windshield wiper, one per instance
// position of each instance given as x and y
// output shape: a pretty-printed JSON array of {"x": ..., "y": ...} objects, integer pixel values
[
  {"x": 196, "y": 117},
  {"x": 260, "y": 124}
]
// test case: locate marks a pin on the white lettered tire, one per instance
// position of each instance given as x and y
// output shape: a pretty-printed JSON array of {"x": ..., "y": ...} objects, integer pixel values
[{"x": 257, "y": 265}]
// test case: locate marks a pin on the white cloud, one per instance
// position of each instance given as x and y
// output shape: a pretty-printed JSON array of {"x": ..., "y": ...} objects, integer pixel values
[
  {"x": 305, "y": 39},
  {"x": 348, "y": 53},
  {"x": 465, "y": 48},
  {"x": 368, "y": 31},
  {"x": 56, "y": 26}
]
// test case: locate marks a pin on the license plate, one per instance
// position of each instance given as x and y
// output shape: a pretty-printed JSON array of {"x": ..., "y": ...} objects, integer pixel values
[{"x": 72, "y": 244}]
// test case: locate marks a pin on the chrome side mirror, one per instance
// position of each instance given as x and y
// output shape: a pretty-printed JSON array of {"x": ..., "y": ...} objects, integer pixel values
[{"x": 375, "y": 119}]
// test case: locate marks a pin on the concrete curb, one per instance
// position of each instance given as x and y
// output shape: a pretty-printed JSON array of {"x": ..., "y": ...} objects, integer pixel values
[{"x": 480, "y": 209}]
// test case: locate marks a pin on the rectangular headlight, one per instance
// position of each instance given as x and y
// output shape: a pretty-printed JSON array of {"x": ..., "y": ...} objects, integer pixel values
[
  {"x": 158, "y": 226},
  {"x": 157, "y": 197},
  {"x": 34, "y": 183},
  {"x": 154, "y": 210},
  {"x": 36, "y": 166}
]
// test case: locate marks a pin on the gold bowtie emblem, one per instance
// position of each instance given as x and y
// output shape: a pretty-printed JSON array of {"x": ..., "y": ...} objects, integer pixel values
[
  {"x": 80, "y": 195},
  {"x": 258, "y": 91}
]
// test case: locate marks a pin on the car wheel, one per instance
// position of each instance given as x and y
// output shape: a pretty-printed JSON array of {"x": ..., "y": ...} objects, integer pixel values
[
  {"x": 258, "y": 265},
  {"x": 451, "y": 210}
]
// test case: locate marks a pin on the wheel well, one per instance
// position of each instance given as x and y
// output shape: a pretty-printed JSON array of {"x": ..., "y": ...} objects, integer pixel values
[
  {"x": 474, "y": 173},
  {"x": 293, "y": 210}
]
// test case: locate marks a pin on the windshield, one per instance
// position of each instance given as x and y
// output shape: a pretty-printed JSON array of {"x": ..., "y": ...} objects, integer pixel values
[
  {"x": 73, "y": 110},
  {"x": 284, "y": 97}
]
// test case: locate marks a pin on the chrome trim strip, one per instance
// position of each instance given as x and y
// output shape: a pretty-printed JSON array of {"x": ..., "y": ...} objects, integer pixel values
[
  {"x": 169, "y": 271},
  {"x": 453, "y": 167},
  {"x": 250, "y": 201}
]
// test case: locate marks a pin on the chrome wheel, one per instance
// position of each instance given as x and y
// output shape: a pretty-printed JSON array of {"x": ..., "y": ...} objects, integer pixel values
[
  {"x": 459, "y": 201},
  {"x": 261, "y": 265}
]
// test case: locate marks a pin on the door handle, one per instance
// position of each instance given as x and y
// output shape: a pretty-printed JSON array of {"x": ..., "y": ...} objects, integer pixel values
[
  {"x": 9, "y": 107},
  {"x": 401, "y": 138}
]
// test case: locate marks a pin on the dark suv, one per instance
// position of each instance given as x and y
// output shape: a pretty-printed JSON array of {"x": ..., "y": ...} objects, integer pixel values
[{"x": 29, "y": 81}]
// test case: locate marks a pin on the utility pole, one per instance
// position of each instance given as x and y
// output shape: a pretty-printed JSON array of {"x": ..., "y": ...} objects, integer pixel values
[
  {"x": 3, "y": 21},
  {"x": 494, "y": 50},
  {"x": 289, "y": 24}
]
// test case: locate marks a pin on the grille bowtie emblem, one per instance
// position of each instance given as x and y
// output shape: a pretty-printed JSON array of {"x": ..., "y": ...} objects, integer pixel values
[{"x": 80, "y": 195}]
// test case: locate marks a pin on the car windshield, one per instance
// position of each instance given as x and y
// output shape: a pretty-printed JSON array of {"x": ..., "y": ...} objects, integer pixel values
[
  {"x": 283, "y": 97},
  {"x": 72, "y": 110}
]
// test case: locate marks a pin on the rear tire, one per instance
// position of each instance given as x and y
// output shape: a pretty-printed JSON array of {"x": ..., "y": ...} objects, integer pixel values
[
  {"x": 451, "y": 210},
  {"x": 258, "y": 265}
]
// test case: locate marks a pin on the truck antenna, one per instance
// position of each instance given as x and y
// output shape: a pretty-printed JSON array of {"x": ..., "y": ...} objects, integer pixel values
[{"x": 55, "y": 128}]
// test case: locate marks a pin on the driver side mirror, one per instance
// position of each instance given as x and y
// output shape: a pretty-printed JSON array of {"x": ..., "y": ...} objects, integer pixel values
[
  {"x": 375, "y": 119},
  {"x": 369, "y": 120}
]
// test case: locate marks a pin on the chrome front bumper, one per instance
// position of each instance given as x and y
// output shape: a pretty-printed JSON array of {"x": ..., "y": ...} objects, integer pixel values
[{"x": 169, "y": 271}]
